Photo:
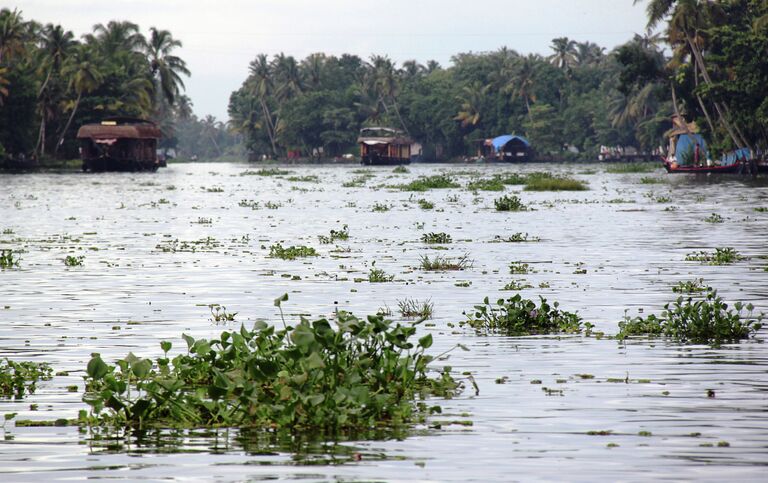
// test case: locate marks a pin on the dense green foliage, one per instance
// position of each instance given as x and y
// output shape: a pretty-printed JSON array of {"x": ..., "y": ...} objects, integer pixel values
[
  {"x": 519, "y": 317},
  {"x": 352, "y": 375},
  {"x": 51, "y": 82},
  {"x": 705, "y": 321},
  {"x": 20, "y": 378}
]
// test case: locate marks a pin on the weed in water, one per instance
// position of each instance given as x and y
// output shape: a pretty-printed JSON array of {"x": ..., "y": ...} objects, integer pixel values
[
  {"x": 436, "y": 238},
  {"x": 492, "y": 184},
  {"x": 8, "y": 259},
  {"x": 438, "y": 181},
  {"x": 20, "y": 378},
  {"x": 520, "y": 268},
  {"x": 400, "y": 170},
  {"x": 266, "y": 172},
  {"x": 721, "y": 256},
  {"x": 707, "y": 321},
  {"x": 652, "y": 180},
  {"x": 691, "y": 286},
  {"x": 555, "y": 184},
  {"x": 518, "y": 237},
  {"x": 414, "y": 308},
  {"x": 509, "y": 203},
  {"x": 278, "y": 251},
  {"x": 71, "y": 261},
  {"x": 334, "y": 235},
  {"x": 380, "y": 207},
  {"x": 714, "y": 218},
  {"x": 219, "y": 314},
  {"x": 518, "y": 316},
  {"x": 632, "y": 168},
  {"x": 304, "y": 179},
  {"x": 377, "y": 275},
  {"x": 283, "y": 380},
  {"x": 511, "y": 178},
  {"x": 426, "y": 205},
  {"x": 441, "y": 263},
  {"x": 517, "y": 285}
]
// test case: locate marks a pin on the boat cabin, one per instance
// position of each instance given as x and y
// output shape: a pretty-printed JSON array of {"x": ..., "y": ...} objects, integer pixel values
[
  {"x": 509, "y": 148},
  {"x": 385, "y": 146},
  {"x": 119, "y": 144}
]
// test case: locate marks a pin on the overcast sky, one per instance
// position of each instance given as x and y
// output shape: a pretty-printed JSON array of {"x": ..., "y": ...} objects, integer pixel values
[{"x": 221, "y": 37}]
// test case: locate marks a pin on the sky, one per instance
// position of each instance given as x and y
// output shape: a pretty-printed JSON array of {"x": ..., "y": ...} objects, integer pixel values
[{"x": 221, "y": 37}]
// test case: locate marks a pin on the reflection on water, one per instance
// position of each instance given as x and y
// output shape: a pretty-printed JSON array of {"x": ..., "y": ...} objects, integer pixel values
[{"x": 160, "y": 247}]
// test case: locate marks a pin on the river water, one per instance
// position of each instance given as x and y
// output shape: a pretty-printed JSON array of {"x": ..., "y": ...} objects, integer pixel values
[{"x": 159, "y": 247}]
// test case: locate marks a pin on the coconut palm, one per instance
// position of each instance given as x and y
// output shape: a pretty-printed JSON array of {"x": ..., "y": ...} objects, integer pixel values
[
  {"x": 261, "y": 86},
  {"x": 564, "y": 53},
  {"x": 287, "y": 77},
  {"x": 116, "y": 37},
  {"x": 312, "y": 69},
  {"x": 55, "y": 47},
  {"x": 472, "y": 98},
  {"x": 84, "y": 76},
  {"x": 13, "y": 33},
  {"x": 165, "y": 68},
  {"x": 588, "y": 53},
  {"x": 522, "y": 84}
]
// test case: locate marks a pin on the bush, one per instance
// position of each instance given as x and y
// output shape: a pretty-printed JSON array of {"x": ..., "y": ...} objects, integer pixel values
[
  {"x": 316, "y": 377},
  {"x": 707, "y": 321},
  {"x": 519, "y": 317}
]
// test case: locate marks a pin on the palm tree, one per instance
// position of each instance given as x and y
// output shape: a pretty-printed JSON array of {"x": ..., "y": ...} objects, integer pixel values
[
  {"x": 261, "y": 85},
  {"x": 522, "y": 84},
  {"x": 386, "y": 84},
  {"x": 564, "y": 56},
  {"x": 84, "y": 77},
  {"x": 588, "y": 53},
  {"x": 13, "y": 33},
  {"x": 312, "y": 69},
  {"x": 117, "y": 37},
  {"x": 56, "y": 44},
  {"x": 472, "y": 98},
  {"x": 287, "y": 77},
  {"x": 165, "y": 68}
]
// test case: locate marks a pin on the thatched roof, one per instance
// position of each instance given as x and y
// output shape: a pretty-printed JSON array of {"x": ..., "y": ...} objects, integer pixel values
[{"x": 116, "y": 130}]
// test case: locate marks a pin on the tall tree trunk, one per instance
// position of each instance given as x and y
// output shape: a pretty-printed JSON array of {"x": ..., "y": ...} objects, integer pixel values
[
  {"x": 270, "y": 126},
  {"x": 69, "y": 121},
  {"x": 701, "y": 101}
]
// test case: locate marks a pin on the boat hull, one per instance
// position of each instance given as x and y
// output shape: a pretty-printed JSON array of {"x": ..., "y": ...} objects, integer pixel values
[
  {"x": 112, "y": 164},
  {"x": 724, "y": 169}
]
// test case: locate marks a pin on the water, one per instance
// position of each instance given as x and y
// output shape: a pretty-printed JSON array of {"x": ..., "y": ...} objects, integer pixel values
[{"x": 141, "y": 283}]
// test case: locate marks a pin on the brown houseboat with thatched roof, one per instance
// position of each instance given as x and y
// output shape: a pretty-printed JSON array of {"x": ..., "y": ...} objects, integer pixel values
[
  {"x": 119, "y": 144},
  {"x": 384, "y": 146}
]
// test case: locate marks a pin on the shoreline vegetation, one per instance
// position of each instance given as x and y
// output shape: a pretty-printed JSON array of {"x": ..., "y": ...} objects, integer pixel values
[{"x": 570, "y": 104}]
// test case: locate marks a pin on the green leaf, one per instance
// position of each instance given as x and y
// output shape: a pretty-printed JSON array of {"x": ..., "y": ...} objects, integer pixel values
[
  {"x": 280, "y": 299},
  {"x": 97, "y": 369},
  {"x": 189, "y": 339},
  {"x": 141, "y": 368},
  {"x": 316, "y": 399},
  {"x": 314, "y": 361},
  {"x": 165, "y": 346},
  {"x": 303, "y": 336},
  {"x": 426, "y": 341}
]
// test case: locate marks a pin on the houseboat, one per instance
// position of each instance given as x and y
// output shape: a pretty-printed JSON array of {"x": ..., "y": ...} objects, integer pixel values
[
  {"x": 119, "y": 144},
  {"x": 506, "y": 148},
  {"x": 385, "y": 146}
]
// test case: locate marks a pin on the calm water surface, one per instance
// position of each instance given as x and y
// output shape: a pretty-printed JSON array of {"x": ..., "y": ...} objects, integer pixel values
[{"x": 159, "y": 247}]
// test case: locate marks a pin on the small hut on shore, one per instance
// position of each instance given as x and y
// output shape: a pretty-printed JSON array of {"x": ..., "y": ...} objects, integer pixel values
[
  {"x": 508, "y": 147},
  {"x": 119, "y": 144},
  {"x": 385, "y": 146}
]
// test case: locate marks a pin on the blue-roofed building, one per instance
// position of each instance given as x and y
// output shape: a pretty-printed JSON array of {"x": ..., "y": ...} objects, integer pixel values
[{"x": 508, "y": 147}]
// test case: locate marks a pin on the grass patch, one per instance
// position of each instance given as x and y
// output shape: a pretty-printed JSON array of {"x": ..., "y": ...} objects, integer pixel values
[
  {"x": 426, "y": 205},
  {"x": 412, "y": 308},
  {"x": 267, "y": 172},
  {"x": 436, "y": 238},
  {"x": 334, "y": 235},
  {"x": 377, "y": 275},
  {"x": 492, "y": 184},
  {"x": 691, "y": 286},
  {"x": 707, "y": 321},
  {"x": 555, "y": 184},
  {"x": 520, "y": 317},
  {"x": 509, "y": 203},
  {"x": 714, "y": 218},
  {"x": 425, "y": 183},
  {"x": 441, "y": 263},
  {"x": 623, "y": 168},
  {"x": 721, "y": 256},
  {"x": 401, "y": 170}
]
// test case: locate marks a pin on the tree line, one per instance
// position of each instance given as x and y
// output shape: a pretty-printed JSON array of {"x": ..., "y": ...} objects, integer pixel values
[{"x": 51, "y": 82}]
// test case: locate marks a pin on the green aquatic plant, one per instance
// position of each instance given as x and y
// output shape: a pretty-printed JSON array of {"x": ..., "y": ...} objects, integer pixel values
[
  {"x": 71, "y": 261},
  {"x": 334, "y": 235},
  {"x": 426, "y": 205},
  {"x": 511, "y": 178},
  {"x": 278, "y": 251},
  {"x": 516, "y": 285},
  {"x": 18, "y": 379},
  {"x": 422, "y": 309},
  {"x": 554, "y": 184},
  {"x": 519, "y": 268},
  {"x": 441, "y": 263},
  {"x": 377, "y": 275},
  {"x": 622, "y": 168},
  {"x": 425, "y": 183},
  {"x": 509, "y": 203},
  {"x": 400, "y": 170},
  {"x": 8, "y": 259},
  {"x": 267, "y": 172},
  {"x": 721, "y": 256},
  {"x": 690, "y": 286},
  {"x": 219, "y": 314},
  {"x": 519, "y": 317},
  {"x": 652, "y": 180},
  {"x": 304, "y": 179},
  {"x": 705, "y": 321},
  {"x": 356, "y": 182},
  {"x": 714, "y": 218},
  {"x": 320, "y": 376},
  {"x": 518, "y": 237},
  {"x": 485, "y": 184},
  {"x": 436, "y": 238},
  {"x": 380, "y": 207}
]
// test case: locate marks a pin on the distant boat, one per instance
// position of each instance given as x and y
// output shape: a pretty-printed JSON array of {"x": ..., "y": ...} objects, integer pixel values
[
  {"x": 506, "y": 148},
  {"x": 386, "y": 146},
  {"x": 119, "y": 144}
]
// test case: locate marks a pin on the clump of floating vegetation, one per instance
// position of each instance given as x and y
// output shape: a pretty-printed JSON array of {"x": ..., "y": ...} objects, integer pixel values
[
  {"x": 652, "y": 180},
  {"x": 485, "y": 184},
  {"x": 520, "y": 317},
  {"x": 632, "y": 168},
  {"x": 714, "y": 218},
  {"x": 20, "y": 378},
  {"x": 380, "y": 207},
  {"x": 690, "y": 286},
  {"x": 8, "y": 259},
  {"x": 219, "y": 314},
  {"x": 356, "y": 182},
  {"x": 705, "y": 321},
  {"x": 278, "y": 251},
  {"x": 254, "y": 205},
  {"x": 519, "y": 268},
  {"x": 426, "y": 205},
  {"x": 552, "y": 183},
  {"x": 71, "y": 261},
  {"x": 511, "y": 178},
  {"x": 518, "y": 237},
  {"x": 516, "y": 285},
  {"x": 377, "y": 275},
  {"x": 721, "y": 256},
  {"x": 320, "y": 376},
  {"x": 441, "y": 263},
  {"x": 267, "y": 172},
  {"x": 422, "y": 309},
  {"x": 509, "y": 203},
  {"x": 436, "y": 238},
  {"x": 304, "y": 179},
  {"x": 425, "y": 183},
  {"x": 334, "y": 235},
  {"x": 400, "y": 169}
]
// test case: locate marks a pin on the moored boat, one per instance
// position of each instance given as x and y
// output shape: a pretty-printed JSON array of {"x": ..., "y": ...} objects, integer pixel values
[
  {"x": 119, "y": 144},
  {"x": 386, "y": 146}
]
